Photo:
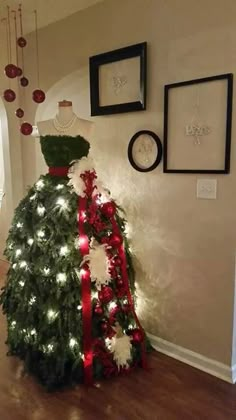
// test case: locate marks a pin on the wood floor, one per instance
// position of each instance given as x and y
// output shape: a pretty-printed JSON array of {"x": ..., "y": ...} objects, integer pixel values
[{"x": 170, "y": 390}]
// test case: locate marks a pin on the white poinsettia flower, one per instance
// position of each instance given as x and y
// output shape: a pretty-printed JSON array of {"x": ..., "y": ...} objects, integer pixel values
[
  {"x": 121, "y": 349},
  {"x": 98, "y": 264}
]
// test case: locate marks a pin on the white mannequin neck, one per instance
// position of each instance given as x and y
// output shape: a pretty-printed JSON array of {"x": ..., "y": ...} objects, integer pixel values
[{"x": 64, "y": 114}]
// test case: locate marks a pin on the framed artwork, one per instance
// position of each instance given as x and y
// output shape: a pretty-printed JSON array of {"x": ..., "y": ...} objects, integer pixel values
[
  {"x": 197, "y": 125},
  {"x": 145, "y": 151},
  {"x": 118, "y": 80}
]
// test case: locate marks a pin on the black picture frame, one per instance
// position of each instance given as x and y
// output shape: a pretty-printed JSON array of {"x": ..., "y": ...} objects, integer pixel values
[
  {"x": 95, "y": 64},
  {"x": 224, "y": 168},
  {"x": 158, "y": 155}
]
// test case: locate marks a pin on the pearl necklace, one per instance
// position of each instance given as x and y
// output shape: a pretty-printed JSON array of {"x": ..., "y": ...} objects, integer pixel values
[{"x": 63, "y": 128}]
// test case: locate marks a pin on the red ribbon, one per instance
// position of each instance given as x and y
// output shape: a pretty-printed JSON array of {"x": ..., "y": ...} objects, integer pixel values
[
  {"x": 58, "y": 170},
  {"x": 121, "y": 253},
  {"x": 85, "y": 296}
]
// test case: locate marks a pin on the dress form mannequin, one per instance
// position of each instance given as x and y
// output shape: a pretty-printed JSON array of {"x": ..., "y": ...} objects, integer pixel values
[{"x": 66, "y": 123}]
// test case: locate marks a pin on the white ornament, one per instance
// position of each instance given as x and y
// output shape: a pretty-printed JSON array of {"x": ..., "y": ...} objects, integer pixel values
[
  {"x": 98, "y": 264},
  {"x": 121, "y": 349},
  {"x": 76, "y": 170}
]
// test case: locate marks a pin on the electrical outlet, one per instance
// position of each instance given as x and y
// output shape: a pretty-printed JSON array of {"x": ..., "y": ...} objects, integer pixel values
[{"x": 206, "y": 188}]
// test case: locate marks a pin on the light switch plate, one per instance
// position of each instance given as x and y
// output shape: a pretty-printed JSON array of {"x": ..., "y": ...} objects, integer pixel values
[{"x": 207, "y": 188}]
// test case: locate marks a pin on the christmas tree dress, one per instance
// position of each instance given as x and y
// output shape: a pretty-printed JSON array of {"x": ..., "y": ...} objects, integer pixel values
[{"x": 69, "y": 293}]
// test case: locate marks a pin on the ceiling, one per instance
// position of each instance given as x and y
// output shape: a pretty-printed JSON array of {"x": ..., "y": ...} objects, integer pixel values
[{"x": 49, "y": 11}]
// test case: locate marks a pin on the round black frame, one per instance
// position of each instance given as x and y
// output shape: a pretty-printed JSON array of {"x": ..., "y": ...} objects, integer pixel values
[{"x": 159, "y": 150}]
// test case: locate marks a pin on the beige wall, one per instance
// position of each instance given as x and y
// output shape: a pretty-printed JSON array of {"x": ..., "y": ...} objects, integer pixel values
[{"x": 185, "y": 247}]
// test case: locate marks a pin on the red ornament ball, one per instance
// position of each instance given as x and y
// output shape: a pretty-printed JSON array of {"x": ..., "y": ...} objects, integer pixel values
[
  {"x": 11, "y": 71},
  {"x": 9, "y": 95},
  {"x": 104, "y": 326},
  {"x": 21, "y": 42},
  {"x": 115, "y": 240},
  {"x": 24, "y": 81},
  {"x": 98, "y": 310},
  {"x": 19, "y": 72},
  {"x": 26, "y": 129},
  {"x": 19, "y": 113},
  {"x": 39, "y": 96},
  {"x": 106, "y": 294},
  {"x": 108, "y": 209},
  {"x": 137, "y": 335}
]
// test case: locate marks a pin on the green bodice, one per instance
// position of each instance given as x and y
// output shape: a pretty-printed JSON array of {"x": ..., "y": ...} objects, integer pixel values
[{"x": 61, "y": 150}]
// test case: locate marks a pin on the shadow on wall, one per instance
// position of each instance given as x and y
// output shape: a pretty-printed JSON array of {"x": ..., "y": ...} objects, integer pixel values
[{"x": 6, "y": 207}]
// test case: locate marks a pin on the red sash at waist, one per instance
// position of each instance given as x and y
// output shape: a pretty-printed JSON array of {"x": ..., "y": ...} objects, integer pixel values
[{"x": 58, "y": 170}]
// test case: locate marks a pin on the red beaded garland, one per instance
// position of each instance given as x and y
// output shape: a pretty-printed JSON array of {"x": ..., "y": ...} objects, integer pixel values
[
  {"x": 11, "y": 71},
  {"x": 9, "y": 95},
  {"x": 26, "y": 128},
  {"x": 116, "y": 261},
  {"x": 39, "y": 96}
]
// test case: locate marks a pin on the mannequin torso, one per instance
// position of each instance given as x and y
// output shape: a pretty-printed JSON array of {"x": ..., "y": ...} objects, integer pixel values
[{"x": 66, "y": 122}]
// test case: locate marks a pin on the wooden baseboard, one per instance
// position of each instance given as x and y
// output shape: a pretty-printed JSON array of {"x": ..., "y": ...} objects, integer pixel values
[{"x": 213, "y": 367}]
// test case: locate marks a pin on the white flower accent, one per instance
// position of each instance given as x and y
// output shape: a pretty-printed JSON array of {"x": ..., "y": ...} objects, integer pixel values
[
  {"x": 121, "y": 349},
  {"x": 98, "y": 264}
]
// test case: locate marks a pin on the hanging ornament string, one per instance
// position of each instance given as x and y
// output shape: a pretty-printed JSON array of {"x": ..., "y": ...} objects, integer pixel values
[
  {"x": 37, "y": 47},
  {"x": 10, "y": 70},
  {"x": 7, "y": 39},
  {"x": 19, "y": 112},
  {"x": 15, "y": 27},
  {"x": 22, "y": 49},
  {"x": 9, "y": 34},
  {"x": 38, "y": 94}
]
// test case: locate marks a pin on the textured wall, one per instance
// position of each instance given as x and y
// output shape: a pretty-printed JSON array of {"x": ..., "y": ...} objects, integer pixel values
[{"x": 184, "y": 247}]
